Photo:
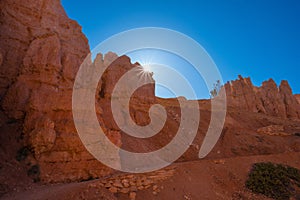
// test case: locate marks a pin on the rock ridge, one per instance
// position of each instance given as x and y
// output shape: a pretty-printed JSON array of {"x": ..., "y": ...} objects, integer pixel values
[{"x": 268, "y": 98}]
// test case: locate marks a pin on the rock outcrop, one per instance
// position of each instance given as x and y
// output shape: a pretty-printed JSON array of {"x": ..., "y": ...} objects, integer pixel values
[
  {"x": 297, "y": 96},
  {"x": 273, "y": 130},
  {"x": 41, "y": 50},
  {"x": 268, "y": 99},
  {"x": 116, "y": 70},
  {"x": 130, "y": 184}
]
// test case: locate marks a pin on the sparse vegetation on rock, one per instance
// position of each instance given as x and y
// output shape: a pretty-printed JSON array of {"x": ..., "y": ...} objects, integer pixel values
[
  {"x": 273, "y": 180},
  {"x": 22, "y": 153},
  {"x": 34, "y": 172},
  {"x": 216, "y": 89}
]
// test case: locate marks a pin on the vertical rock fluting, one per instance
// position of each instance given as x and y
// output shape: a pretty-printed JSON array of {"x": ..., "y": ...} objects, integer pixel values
[
  {"x": 41, "y": 50},
  {"x": 142, "y": 98},
  {"x": 292, "y": 106},
  {"x": 268, "y": 99},
  {"x": 242, "y": 93}
]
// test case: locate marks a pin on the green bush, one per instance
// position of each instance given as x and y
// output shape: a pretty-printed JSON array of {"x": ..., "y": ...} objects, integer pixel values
[{"x": 273, "y": 180}]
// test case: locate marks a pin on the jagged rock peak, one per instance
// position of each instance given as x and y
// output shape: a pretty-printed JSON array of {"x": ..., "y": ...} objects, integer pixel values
[{"x": 268, "y": 98}]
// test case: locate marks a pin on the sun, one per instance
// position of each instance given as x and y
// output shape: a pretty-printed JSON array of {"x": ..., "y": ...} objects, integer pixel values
[{"x": 147, "y": 68}]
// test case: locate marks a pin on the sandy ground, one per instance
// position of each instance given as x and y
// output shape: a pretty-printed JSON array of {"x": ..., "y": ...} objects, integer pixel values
[{"x": 202, "y": 179}]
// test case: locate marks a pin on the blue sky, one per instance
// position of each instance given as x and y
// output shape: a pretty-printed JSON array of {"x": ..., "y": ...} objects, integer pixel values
[{"x": 260, "y": 39}]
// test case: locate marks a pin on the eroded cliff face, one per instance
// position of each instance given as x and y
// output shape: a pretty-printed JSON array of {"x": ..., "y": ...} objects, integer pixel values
[
  {"x": 268, "y": 98},
  {"x": 297, "y": 96},
  {"x": 41, "y": 50}
]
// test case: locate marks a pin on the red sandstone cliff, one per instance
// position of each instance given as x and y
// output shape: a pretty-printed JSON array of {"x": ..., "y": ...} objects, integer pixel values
[
  {"x": 268, "y": 99},
  {"x": 41, "y": 50},
  {"x": 297, "y": 96}
]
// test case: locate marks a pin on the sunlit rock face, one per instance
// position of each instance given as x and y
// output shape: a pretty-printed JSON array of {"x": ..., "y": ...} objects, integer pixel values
[
  {"x": 297, "y": 96},
  {"x": 268, "y": 98}
]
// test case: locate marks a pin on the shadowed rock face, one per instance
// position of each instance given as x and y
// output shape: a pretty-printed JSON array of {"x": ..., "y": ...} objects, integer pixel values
[
  {"x": 41, "y": 50},
  {"x": 267, "y": 99}
]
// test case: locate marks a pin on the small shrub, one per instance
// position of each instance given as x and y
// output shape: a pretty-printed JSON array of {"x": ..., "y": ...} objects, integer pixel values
[
  {"x": 34, "y": 172},
  {"x": 22, "y": 154},
  {"x": 216, "y": 89},
  {"x": 273, "y": 180}
]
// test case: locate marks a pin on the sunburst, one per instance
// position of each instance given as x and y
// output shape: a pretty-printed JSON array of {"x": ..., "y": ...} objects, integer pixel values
[
  {"x": 145, "y": 72},
  {"x": 147, "y": 68}
]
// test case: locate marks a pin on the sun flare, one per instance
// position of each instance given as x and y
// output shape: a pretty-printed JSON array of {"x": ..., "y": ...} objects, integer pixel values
[{"x": 147, "y": 68}]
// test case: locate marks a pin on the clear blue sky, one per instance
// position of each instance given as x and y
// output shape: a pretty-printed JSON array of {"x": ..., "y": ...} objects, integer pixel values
[{"x": 258, "y": 38}]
